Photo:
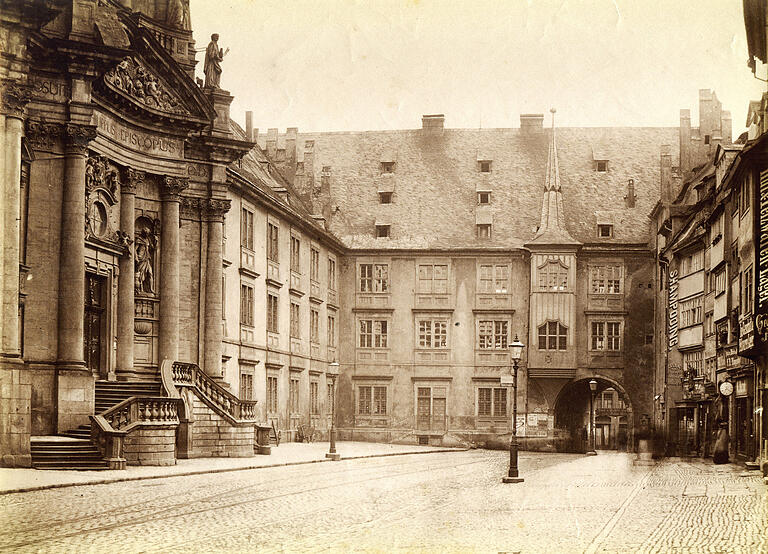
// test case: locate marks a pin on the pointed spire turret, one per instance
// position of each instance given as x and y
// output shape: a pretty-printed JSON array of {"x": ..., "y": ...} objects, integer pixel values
[{"x": 552, "y": 227}]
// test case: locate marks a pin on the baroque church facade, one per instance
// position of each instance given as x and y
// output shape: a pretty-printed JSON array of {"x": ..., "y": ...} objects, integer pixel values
[{"x": 172, "y": 281}]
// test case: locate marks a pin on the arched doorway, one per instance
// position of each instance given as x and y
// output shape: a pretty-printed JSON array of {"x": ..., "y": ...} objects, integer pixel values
[{"x": 613, "y": 416}]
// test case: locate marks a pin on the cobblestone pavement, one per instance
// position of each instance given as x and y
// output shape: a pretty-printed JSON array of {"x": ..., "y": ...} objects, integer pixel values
[{"x": 431, "y": 502}]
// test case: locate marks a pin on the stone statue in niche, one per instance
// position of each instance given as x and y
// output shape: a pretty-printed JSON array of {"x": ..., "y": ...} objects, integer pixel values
[
  {"x": 213, "y": 58},
  {"x": 145, "y": 244}
]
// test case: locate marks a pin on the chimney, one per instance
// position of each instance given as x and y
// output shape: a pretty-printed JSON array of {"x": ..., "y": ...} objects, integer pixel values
[
  {"x": 249, "y": 126},
  {"x": 685, "y": 142},
  {"x": 666, "y": 173},
  {"x": 531, "y": 122},
  {"x": 272, "y": 143},
  {"x": 433, "y": 124},
  {"x": 255, "y": 135}
]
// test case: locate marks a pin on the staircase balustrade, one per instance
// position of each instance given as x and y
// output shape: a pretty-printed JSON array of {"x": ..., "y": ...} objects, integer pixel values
[
  {"x": 109, "y": 428},
  {"x": 182, "y": 374}
]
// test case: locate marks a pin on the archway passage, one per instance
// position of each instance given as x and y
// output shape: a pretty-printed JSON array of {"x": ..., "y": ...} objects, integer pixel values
[{"x": 613, "y": 421}]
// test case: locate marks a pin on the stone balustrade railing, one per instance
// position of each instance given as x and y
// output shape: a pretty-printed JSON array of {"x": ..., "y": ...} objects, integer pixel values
[
  {"x": 181, "y": 374},
  {"x": 109, "y": 428}
]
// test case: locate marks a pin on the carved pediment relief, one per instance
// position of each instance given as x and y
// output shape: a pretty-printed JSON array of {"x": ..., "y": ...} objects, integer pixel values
[
  {"x": 133, "y": 79},
  {"x": 102, "y": 187}
]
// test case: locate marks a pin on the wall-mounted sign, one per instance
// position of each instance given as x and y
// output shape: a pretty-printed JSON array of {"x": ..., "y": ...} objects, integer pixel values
[
  {"x": 761, "y": 265},
  {"x": 672, "y": 335}
]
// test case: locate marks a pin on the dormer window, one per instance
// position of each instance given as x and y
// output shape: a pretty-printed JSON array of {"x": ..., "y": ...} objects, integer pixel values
[
  {"x": 605, "y": 231},
  {"x": 387, "y": 167},
  {"x": 385, "y": 198},
  {"x": 382, "y": 231},
  {"x": 483, "y": 230},
  {"x": 484, "y": 197},
  {"x": 601, "y": 166},
  {"x": 484, "y": 166}
]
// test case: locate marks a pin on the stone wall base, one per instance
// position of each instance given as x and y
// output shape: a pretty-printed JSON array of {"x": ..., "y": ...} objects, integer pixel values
[
  {"x": 151, "y": 446},
  {"x": 15, "y": 414},
  {"x": 214, "y": 437}
]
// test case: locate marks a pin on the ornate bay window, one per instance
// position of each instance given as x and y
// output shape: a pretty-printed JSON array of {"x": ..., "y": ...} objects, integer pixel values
[
  {"x": 553, "y": 277},
  {"x": 553, "y": 335}
]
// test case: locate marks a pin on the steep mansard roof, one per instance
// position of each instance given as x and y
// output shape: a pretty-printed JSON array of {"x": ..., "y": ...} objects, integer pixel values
[{"x": 436, "y": 177}]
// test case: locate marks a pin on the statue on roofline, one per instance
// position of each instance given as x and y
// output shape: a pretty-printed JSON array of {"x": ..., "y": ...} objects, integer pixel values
[{"x": 213, "y": 58}]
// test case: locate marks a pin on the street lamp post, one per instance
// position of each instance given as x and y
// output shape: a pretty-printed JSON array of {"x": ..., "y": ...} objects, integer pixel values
[
  {"x": 515, "y": 352},
  {"x": 592, "y": 390},
  {"x": 333, "y": 373}
]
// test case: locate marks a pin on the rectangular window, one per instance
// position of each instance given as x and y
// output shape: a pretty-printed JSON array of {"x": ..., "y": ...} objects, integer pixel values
[
  {"x": 690, "y": 312},
  {"x": 483, "y": 230},
  {"x": 246, "y": 229},
  {"x": 331, "y": 274},
  {"x": 433, "y": 333},
  {"x": 492, "y": 334},
  {"x": 720, "y": 282},
  {"x": 295, "y": 323},
  {"x": 246, "y": 386},
  {"x": 295, "y": 254},
  {"x": 605, "y": 231},
  {"x": 273, "y": 252},
  {"x": 387, "y": 167},
  {"x": 433, "y": 278},
  {"x": 331, "y": 330},
  {"x": 374, "y": 278},
  {"x": 314, "y": 403},
  {"x": 605, "y": 335},
  {"x": 314, "y": 326},
  {"x": 553, "y": 277},
  {"x": 693, "y": 362},
  {"x": 553, "y": 335},
  {"x": 484, "y": 166},
  {"x": 271, "y": 394},
  {"x": 272, "y": 325},
  {"x": 484, "y": 197},
  {"x": 372, "y": 400},
  {"x": 601, "y": 166},
  {"x": 605, "y": 279},
  {"x": 494, "y": 278},
  {"x": 492, "y": 402},
  {"x": 385, "y": 198},
  {"x": 692, "y": 263},
  {"x": 246, "y": 305},
  {"x": 709, "y": 324},
  {"x": 293, "y": 396},
  {"x": 746, "y": 193},
  {"x": 747, "y": 291},
  {"x": 606, "y": 400},
  {"x": 373, "y": 333},
  {"x": 314, "y": 264},
  {"x": 382, "y": 231}
]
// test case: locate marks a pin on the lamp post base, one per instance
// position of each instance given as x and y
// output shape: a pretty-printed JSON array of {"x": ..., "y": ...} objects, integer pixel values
[
  {"x": 591, "y": 453},
  {"x": 333, "y": 457},
  {"x": 512, "y": 480}
]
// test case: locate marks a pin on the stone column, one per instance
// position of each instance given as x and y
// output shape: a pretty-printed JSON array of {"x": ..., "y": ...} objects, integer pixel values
[
  {"x": 125, "y": 284},
  {"x": 72, "y": 243},
  {"x": 14, "y": 98},
  {"x": 169, "y": 268},
  {"x": 214, "y": 212}
]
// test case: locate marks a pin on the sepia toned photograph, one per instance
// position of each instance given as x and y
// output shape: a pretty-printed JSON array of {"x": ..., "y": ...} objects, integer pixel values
[{"x": 384, "y": 276}]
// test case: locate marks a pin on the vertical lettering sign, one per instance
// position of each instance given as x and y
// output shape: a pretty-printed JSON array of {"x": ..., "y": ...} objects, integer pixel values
[
  {"x": 672, "y": 309},
  {"x": 761, "y": 263}
]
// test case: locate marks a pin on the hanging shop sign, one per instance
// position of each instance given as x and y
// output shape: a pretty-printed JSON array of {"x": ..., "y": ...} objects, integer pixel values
[{"x": 672, "y": 308}]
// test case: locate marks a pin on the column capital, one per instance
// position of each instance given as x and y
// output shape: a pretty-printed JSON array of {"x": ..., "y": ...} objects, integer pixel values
[
  {"x": 171, "y": 187},
  {"x": 15, "y": 97},
  {"x": 216, "y": 208},
  {"x": 42, "y": 135},
  {"x": 78, "y": 137},
  {"x": 132, "y": 178}
]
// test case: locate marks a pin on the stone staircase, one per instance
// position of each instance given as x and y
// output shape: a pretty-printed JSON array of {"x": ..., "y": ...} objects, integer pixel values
[{"x": 73, "y": 449}]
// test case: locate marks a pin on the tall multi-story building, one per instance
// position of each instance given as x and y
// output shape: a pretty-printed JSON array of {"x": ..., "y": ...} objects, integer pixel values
[{"x": 458, "y": 241}]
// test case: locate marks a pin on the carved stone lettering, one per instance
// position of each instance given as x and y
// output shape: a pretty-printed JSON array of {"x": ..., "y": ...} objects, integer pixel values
[{"x": 151, "y": 144}]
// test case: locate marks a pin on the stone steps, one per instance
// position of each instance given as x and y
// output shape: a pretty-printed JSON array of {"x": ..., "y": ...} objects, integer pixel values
[
  {"x": 110, "y": 393},
  {"x": 63, "y": 452}
]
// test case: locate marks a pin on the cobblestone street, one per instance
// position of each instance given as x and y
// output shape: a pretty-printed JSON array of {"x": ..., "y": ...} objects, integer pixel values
[{"x": 433, "y": 502}]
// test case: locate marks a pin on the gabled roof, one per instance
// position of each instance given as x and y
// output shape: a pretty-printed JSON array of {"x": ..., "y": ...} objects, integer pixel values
[{"x": 436, "y": 179}]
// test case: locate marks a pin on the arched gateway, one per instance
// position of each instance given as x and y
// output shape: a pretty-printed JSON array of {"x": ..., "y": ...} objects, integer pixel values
[{"x": 613, "y": 416}]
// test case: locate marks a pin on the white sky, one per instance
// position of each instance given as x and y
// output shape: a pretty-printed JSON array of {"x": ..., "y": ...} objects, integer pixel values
[{"x": 334, "y": 65}]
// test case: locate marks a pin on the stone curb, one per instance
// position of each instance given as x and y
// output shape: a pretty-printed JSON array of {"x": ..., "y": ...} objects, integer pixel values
[{"x": 219, "y": 470}]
